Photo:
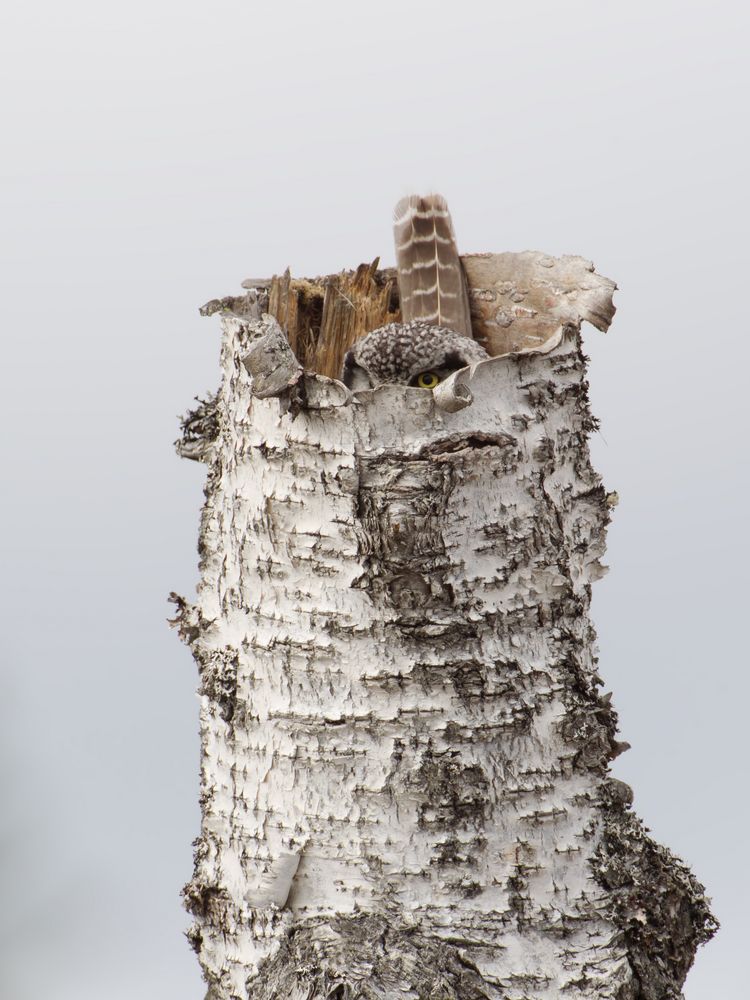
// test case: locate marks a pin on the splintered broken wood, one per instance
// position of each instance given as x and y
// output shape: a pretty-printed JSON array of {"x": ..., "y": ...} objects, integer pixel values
[
  {"x": 517, "y": 300},
  {"x": 323, "y": 317}
]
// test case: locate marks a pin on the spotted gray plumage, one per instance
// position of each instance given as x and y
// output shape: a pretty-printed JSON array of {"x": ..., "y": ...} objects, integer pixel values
[
  {"x": 399, "y": 352},
  {"x": 435, "y": 335}
]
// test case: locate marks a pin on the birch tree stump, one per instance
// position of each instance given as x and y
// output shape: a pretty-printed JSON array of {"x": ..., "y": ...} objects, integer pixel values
[{"x": 405, "y": 747}]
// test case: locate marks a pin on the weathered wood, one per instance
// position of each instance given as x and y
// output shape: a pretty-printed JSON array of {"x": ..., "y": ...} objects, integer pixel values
[{"x": 323, "y": 317}]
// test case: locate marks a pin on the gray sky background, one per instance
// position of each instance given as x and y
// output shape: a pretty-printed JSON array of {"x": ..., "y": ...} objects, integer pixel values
[{"x": 156, "y": 153}]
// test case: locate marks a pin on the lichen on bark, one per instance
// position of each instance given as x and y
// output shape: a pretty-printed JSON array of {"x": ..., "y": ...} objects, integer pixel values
[{"x": 405, "y": 745}]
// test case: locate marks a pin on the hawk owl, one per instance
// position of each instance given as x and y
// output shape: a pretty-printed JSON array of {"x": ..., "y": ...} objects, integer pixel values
[{"x": 434, "y": 338}]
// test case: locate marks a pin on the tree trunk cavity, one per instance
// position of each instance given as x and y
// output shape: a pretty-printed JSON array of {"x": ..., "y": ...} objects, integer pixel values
[{"x": 405, "y": 745}]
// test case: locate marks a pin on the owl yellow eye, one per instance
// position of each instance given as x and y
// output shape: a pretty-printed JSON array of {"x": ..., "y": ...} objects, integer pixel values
[{"x": 427, "y": 380}]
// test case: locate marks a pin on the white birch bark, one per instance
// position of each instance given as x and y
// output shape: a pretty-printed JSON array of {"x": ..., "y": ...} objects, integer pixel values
[{"x": 404, "y": 742}]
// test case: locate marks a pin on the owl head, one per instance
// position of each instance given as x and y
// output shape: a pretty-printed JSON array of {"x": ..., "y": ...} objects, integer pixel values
[{"x": 414, "y": 354}]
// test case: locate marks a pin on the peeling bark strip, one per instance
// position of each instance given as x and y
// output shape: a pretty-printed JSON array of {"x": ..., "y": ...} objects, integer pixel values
[{"x": 405, "y": 748}]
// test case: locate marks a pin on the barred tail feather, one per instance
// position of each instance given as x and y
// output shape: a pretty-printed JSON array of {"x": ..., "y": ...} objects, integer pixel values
[{"x": 431, "y": 280}]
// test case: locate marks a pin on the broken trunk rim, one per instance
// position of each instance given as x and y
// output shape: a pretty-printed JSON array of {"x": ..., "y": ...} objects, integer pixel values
[
  {"x": 453, "y": 394},
  {"x": 518, "y": 302}
]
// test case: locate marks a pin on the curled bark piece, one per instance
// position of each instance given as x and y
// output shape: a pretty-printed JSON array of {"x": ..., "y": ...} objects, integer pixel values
[
  {"x": 519, "y": 299},
  {"x": 270, "y": 360},
  {"x": 321, "y": 392},
  {"x": 452, "y": 394}
]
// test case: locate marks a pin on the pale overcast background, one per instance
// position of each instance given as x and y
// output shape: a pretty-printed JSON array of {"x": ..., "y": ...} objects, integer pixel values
[{"x": 155, "y": 154}]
